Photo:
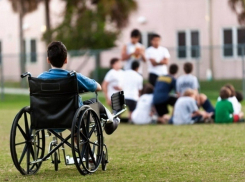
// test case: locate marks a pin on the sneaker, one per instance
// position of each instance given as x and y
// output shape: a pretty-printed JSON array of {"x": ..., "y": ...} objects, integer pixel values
[{"x": 111, "y": 127}]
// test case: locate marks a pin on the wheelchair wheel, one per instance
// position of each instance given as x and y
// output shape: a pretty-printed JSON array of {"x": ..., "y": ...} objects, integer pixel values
[
  {"x": 22, "y": 143},
  {"x": 87, "y": 145},
  {"x": 56, "y": 162},
  {"x": 104, "y": 161}
]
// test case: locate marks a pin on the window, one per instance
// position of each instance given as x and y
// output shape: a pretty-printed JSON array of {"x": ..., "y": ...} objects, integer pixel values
[
  {"x": 146, "y": 39},
  {"x": 241, "y": 41},
  {"x": 188, "y": 44},
  {"x": 33, "y": 51},
  {"x": 195, "y": 47},
  {"x": 30, "y": 49},
  {"x": 182, "y": 45},
  {"x": 228, "y": 42}
]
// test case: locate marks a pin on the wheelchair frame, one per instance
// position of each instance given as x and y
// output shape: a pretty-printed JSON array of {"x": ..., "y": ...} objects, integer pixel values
[{"x": 87, "y": 154}]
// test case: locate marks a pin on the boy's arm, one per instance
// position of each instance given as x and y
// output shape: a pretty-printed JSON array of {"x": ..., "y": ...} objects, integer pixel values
[
  {"x": 99, "y": 88},
  {"x": 125, "y": 56},
  {"x": 105, "y": 90}
]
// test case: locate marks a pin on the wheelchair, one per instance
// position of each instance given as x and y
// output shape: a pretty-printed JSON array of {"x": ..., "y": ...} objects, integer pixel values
[{"x": 54, "y": 107}]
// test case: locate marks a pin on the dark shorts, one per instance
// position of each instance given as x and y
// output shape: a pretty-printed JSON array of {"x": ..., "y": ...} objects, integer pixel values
[
  {"x": 152, "y": 79},
  {"x": 162, "y": 108},
  {"x": 131, "y": 104}
]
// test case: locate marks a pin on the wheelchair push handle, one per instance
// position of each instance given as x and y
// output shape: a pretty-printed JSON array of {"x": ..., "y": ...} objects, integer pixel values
[
  {"x": 23, "y": 75},
  {"x": 72, "y": 73}
]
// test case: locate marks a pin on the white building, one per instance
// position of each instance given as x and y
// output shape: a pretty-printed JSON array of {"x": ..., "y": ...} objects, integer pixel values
[{"x": 187, "y": 27}]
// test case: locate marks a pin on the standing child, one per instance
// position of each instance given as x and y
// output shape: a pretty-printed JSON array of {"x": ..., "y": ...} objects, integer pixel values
[
  {"x": 113, "y": 81},
  {"x": 133, "y": 83},
  {"x": 224, "y": 112}
]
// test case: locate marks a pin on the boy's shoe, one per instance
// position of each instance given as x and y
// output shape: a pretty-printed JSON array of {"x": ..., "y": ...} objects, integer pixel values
[{"x": 111, "y": 127}]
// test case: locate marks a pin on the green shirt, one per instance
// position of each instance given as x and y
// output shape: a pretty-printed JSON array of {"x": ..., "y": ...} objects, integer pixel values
[{"x": 224, "y": 112}]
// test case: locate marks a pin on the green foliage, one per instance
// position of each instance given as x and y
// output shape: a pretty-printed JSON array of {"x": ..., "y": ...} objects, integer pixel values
[
  {"x": 93, "y": 24},
  {"x": 101, "y": 72}
]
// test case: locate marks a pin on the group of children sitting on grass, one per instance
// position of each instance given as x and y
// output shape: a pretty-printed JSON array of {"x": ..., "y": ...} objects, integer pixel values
[{"x": 181, "y": 93}]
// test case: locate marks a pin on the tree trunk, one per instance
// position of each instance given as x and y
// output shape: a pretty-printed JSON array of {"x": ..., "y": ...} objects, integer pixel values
[
  {"x": 48, "y": 28},
  {"x": 22, "y": 48}
]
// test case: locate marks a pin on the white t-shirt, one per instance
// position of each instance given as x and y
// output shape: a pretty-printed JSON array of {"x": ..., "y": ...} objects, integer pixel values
[
  {"x": 158, "y": 54},
  {"x": 130, "y": 48},
  {"x": 141, "y": 115},
  {"x": 133, "y": 82},
  {"x": 237, "y": 107},
  {"x": 114, "y": 78}
]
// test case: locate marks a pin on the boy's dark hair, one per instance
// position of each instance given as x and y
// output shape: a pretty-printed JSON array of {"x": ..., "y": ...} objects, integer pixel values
[
  {"x": 173, "y": 69},
  {"x": 147, "y": 89},
  {"x": 224, "y": 93},
  {"x": 188, "y": 67},
  {"x": 232, "y": 89},
  {"x": 57, "y": 54},
  {"x": 113, "y": 61},
  {"x": 155, "y": 36},
  {"x": 239, "y": 96},
  {"x": 135, "y": 65},
  {"x": 135, "y": 33}
]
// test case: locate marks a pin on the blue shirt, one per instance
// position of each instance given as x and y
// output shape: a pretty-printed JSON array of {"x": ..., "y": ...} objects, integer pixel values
[
  {"x": 164, "y": 85},
  {"x": 84, "y": 83}
]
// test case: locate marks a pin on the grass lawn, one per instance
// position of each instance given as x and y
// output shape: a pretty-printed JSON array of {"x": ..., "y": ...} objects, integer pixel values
[{"x": 145, "y": 153}]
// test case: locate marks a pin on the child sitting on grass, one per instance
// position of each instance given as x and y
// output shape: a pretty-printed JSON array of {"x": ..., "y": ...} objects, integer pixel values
[
  {"x": 186, "y": 110},
  {"x": 224, "y": 112}
]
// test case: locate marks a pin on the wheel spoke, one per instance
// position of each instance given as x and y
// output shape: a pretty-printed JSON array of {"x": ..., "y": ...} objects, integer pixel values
[
  {"x": 26, "y": 123},
  {"x": 94, "y": 143},
  {"x": 91, "y": 132},
  {"x": 87, "y": 124},
  {"x": 22, "y": 132},
  {"x": 28, "y": 159},
  {"x": 91, "y": 155},
  {"x": 23, "y": 154},
  {"x": 20, "y": 143},
  {"x": 83, "y": 150}
]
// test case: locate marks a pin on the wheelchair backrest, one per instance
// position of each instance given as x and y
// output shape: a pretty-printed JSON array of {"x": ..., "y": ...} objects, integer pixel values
[{"x": 53, "y": 102}]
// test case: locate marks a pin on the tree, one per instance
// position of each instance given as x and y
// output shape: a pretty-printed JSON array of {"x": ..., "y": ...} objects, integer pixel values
[
  {"x": 22, "y": 7},
  {"x": 238, "y": 6},
  {"x": 92, "y": 24}
]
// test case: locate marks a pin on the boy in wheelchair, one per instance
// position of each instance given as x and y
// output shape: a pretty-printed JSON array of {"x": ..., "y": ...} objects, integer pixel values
[{"x": 57, "y": 58}]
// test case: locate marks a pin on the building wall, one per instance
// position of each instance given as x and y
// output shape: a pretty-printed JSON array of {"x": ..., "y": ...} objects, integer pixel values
[{"x": 165, "y": 17}]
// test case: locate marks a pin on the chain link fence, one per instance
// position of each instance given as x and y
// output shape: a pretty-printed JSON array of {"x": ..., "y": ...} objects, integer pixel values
[{"x": 210, "y": 63}]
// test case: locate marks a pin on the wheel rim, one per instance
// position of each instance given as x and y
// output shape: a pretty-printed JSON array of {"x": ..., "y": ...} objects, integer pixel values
[
  {"x": 22, "y": 143},
  {"x": 89, "y": 137}
]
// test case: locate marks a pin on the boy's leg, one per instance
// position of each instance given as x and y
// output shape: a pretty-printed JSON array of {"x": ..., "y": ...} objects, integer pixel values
[
  {"x": 131, "y": 105},
  {"x": 152, "y": 79},
  {"x": 205, "y": 103},
  {"x": 162, "y": 110}
]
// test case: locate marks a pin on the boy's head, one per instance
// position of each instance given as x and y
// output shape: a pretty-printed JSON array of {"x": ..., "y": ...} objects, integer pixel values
[
  {"x": 155, "y": 40},
  {"x": 57, "y": 54},
  {"x": 189, "y": 93},
  {"x": 116, "y": 63},
  {"x": 173, "y": 69},
  {"x": 239, "y": 96},
  {"x": 188, "y": 67},
  {"x": 224, "y": 93},
  {"x": 147, "y": 89},
  {"x": 135, "y": 65},
  {"x": 232, "y": 89},
  {"x": 135, "y": 36}
]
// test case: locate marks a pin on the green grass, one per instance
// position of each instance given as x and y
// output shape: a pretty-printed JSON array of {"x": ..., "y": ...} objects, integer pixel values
[{"x": 145, "y": 153}]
